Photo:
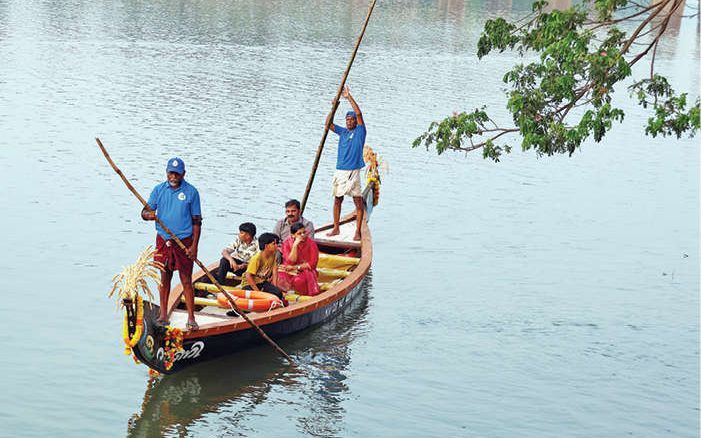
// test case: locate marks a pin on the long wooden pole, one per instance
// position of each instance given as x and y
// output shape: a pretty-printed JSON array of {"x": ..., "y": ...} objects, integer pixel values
[
  {"x": 334, "y": 107},
  {"x": 194, "y": 259}
]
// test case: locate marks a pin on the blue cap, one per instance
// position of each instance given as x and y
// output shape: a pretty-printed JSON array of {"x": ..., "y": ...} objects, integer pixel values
[
  {"x": 176, "y": 165},
  {"x": 351, "y": 114}
]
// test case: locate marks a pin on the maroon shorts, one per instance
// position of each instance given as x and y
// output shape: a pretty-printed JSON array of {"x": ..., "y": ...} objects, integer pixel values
[{"x": 172, "y": 256}]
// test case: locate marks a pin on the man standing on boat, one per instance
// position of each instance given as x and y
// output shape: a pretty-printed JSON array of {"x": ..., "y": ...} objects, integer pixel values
[
  {"x": 177, "y": 204},
  {"x": 346, "y": 179}
]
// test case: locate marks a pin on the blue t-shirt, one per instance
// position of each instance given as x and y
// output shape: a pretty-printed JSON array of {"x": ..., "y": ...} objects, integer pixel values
[
  {"x": 350, "y": 147},
  {"x": 175, "y": 207}
]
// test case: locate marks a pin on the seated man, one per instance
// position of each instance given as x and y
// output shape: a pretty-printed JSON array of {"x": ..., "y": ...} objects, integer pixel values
[
  {"x": 292, "y": 216},
  {"x": 299, "y": 258},
  {"x": 236, "y": 256},
  {"x": 261, "y": 274}
]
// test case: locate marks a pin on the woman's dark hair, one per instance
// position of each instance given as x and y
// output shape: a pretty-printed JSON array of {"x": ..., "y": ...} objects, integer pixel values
[
  {"x": 249, "y": 228},
  {"x": 292, "y": 202},
  {"x": 296, "y": 227},
  {"x": 266, "y": 238}
]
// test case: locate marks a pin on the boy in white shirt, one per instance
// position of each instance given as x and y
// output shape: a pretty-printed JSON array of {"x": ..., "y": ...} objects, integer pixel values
[{"x": 236, "y": 256}]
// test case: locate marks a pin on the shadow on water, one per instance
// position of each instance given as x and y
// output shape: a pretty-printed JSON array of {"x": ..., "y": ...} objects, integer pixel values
[{"x": 241, "y": 382}]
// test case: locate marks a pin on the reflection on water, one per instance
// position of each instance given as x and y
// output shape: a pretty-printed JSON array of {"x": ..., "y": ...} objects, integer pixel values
[
  {"x": 233, "y": 387},
  {"x": 173, "y": 403}
]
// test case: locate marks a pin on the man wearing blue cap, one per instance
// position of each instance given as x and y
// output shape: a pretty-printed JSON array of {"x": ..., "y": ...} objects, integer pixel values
[
  {"x": 346, "y": 179},
  {"x": 177, "y": 204}
]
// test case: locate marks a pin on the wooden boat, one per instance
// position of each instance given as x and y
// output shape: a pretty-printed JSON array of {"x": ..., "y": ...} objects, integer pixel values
[{"x": 220, "y": 335}]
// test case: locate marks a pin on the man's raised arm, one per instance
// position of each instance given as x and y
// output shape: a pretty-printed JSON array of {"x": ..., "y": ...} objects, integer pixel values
[
  {"x": 359, "y": 115},
  {"x": 329, "y": 123}
]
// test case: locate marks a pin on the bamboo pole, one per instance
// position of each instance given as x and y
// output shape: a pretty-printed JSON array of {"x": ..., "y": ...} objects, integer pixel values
[
  {"x": 334, "y": 107},
  {"x": 194, "y": 259}
]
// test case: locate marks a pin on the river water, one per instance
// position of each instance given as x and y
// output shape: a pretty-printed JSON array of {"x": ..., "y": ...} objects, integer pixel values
[{"x": 548, "y": 296}]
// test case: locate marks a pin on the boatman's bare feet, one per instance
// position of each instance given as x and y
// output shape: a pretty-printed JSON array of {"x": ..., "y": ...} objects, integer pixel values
[
  {"x": 192, "y": 326},
  {"x": 162, "y": 319},
  {"x": 357, "y": 236},
  {"x": 334, "y": 232}
]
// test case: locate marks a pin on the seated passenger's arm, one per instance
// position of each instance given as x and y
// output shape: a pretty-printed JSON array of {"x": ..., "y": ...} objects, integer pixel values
[
  {"x": 292, "y": 256},
  {"x": 251, "y": 281}
]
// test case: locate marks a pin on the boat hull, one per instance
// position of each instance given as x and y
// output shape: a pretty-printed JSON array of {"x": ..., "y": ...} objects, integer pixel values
[{"x": 150, "y": 349}]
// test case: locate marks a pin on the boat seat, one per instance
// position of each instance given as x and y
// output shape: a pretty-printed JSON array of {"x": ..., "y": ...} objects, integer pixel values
[
  {"x": 337, "y": 273},
  {"x": 209, "y": 287},
  {"x": 325, "y": 272},
  {"x": 332, "y": 261}
]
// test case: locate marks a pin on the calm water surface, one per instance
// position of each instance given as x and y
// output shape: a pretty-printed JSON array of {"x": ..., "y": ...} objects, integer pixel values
[{"x": 535, "y": 297}]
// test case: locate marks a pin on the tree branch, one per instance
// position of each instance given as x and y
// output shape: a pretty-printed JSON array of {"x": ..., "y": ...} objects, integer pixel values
[
  {"x": 629, "y": 17},
  {"x": 474, "y": 146},
  {"x": 656, "y": 40},
  {"x": 641, "y": 26}
]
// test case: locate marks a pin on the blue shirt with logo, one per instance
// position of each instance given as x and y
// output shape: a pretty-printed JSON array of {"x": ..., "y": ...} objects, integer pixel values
[
  {"x": 350, "y": 147},
  {"x": 175, "y": 207}
]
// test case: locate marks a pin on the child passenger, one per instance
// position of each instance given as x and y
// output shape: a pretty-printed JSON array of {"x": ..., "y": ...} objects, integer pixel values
[
  {"x": 235, "y": 257},
  {"x": 261, "y": 274},
  {"x": 299, "y": 258}
]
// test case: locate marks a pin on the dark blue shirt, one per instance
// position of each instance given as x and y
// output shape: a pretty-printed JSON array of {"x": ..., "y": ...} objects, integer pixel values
[
  {"x": 350, "y": 147},
  {"x": 175, "y": 207}
]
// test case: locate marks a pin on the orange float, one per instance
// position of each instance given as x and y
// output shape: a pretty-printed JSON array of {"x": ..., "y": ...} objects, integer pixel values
[{"x": 251, "y": 300}]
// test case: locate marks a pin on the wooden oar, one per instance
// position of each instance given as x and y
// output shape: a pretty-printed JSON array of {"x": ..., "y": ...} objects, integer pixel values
[
  {"x": 194, "y": 259},
  {"x": 334, "y": 107}
]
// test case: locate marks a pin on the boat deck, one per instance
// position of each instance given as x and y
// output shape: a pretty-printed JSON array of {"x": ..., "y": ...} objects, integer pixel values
[
  {"x": 345, "y": 237},
  {"x": 178, "y": 318}
]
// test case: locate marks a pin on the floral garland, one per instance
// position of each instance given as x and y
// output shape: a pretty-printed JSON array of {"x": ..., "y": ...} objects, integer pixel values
[
  {"x": 373, "y": 172},
  {"x": 131, "y": 341},
  {"x": 173, "y": 343}
]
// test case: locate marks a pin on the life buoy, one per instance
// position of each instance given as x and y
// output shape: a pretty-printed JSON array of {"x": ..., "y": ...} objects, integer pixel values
[{"x": 250, "y": 300}]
